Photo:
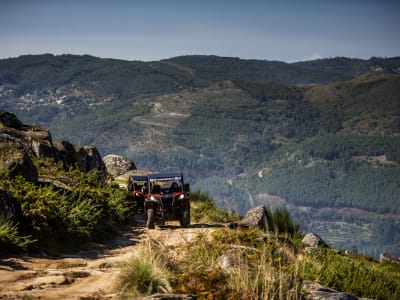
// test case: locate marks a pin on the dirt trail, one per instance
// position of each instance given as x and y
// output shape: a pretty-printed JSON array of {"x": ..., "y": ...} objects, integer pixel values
[{"x": 88, "y": 275}]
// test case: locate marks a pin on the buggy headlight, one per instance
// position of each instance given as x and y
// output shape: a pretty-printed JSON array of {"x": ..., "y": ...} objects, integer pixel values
[
  {"x": 152, "y": 198},
  {"x": 181, "y": 196}
]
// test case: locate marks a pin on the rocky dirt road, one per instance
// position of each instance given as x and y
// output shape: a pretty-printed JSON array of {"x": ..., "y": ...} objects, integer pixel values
[{"x": 88, "y": 275}]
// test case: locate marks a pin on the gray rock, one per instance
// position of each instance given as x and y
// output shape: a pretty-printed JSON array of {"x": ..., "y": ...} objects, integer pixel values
[
  {"x": 20, "y": 143},
  {"x": 93, "y": 159},
  {"x": 314, "y": 290},
  {"x": 387, "y": 258},
  {"x": 9, "y": 120},
  {"x": 258, "y": 217},
  {"x": 313, "y": 240},
  {"x": 117, "y": 165},
  {"x": 86, "y": 158},
  {"x": 40, "y": 141},
  {"x": 15, "y": 155}
]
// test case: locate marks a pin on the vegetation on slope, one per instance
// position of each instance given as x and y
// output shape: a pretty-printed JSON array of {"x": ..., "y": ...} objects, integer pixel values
[
  {"x": 252, "y": 264},
  {"x": 78, "y": 208}
]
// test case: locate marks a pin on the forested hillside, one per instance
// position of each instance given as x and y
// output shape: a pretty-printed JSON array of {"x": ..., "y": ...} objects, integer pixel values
[{"x": 321, "y": 137}]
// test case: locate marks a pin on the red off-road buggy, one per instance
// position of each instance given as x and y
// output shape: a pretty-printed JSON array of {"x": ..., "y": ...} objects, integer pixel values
[{"x": 161, "y": 197}]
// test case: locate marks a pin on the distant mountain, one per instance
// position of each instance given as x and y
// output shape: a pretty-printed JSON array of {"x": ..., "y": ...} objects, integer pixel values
[
  {"x": 352, "y": 66},
  {"x": 322, "y": 137}
]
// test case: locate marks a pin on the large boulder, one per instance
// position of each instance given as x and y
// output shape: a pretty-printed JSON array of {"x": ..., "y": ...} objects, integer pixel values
[
  {"x": 387, "y": 258},
  {"x": 314, "y": 240},
  {"x": 117, "y": 165},
  {"x": 15, "y": 155},
  {"x": 258, "y": 217},
  {"x": 65, "y": 152},
  {"x": 40, "y": 141},
  {"x": 313, "y": 290},
  {"x": 86, "y": 158},
  {"x": 20, "y": 143},
  {"x": 9, "y": 120},
  {"x": 93, "y": 159}
]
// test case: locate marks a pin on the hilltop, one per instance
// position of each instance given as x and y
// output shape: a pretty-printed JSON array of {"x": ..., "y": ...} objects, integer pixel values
[{"x": 321, "y": 137}]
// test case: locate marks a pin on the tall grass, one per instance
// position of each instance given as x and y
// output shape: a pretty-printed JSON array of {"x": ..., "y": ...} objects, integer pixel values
[{"x": 146, "y": 272}]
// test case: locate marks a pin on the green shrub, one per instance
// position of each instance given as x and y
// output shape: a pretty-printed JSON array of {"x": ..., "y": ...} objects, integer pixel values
[
  {"x": 283, "y": 222},
  {"x": 77, "y": 207},
  {"x": 356, "y": 275},
  {"x": 10, "y": 240}
]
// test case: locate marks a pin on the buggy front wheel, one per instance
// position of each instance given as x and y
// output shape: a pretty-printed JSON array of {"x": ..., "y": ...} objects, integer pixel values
[
  {"x": 150, "y": 218},
  {"x": 185, "y": 217}
]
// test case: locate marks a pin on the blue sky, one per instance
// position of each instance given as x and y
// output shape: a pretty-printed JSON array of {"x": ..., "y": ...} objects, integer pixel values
[{"x": 156, "y": 29}]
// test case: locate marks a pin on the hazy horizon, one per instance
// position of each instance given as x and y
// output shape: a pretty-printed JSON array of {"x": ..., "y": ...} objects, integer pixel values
[{"x": 152, "y": 30}]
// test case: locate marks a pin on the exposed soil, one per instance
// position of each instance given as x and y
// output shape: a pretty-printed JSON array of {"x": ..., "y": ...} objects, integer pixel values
[{"x": 88, "y": 275}]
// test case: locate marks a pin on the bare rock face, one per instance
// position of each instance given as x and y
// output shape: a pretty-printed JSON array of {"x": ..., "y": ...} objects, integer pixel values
[
  {"x": 86, "y": 158},
  {"x": 117, "y": 165},
  {"x": 20, "y": 143},
  {"x": 15, "y": 155},
  {"x": 93, "y": 159},
  {"x": 313, "y": 240},
  {"x": 258, "y": 217},
  {"x": 9, "y": 120},
  {"x": 40, "y": 141},
  {"x": 314, "y": 290},
  {"x": 387, "y": 258}
]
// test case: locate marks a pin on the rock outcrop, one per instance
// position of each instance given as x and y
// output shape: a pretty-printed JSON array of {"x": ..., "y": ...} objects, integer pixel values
[
  {"x": 313, "y": 240},
  {"x": 258, "y": 217},
  {"x": 117, "y": 165},
  {"x": 15, "y": 155},
  {"x": 86, "y": 157},
  {"x": 9, "y": 120},
  {"x": 387, "y": 258},
  {"x": 314, "y": 290},
  {"x": 20, "y": 143}
]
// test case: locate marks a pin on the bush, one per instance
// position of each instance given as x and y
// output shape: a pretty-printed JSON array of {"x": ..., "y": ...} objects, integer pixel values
[
  {"x": 283, "y": 222},
  {"x": 356, "y": 275},
  {"x": 10, "y": 240},
  {"x": 76, "y": 207}
]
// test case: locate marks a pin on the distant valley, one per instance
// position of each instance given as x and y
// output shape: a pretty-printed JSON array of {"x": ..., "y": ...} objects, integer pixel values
[{"x": 321, "y": 137}]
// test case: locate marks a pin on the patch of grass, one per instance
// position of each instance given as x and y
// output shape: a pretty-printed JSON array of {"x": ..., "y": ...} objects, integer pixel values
[
  {"x": 236, "y": 264},
  {"x": 356, "y": 274},
  {"x": 145, "y": 273}
]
